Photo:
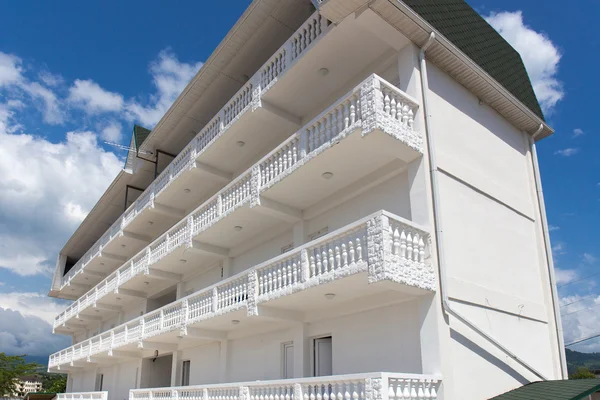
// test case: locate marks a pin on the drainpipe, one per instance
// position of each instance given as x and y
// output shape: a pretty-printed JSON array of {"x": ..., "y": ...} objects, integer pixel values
[
  {"x": 548, "y": 250},
  {"x": 446, "y": 305}
]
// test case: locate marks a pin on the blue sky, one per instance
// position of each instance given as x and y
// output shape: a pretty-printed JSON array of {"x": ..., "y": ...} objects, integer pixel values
[{"x": 73, "y": 74}]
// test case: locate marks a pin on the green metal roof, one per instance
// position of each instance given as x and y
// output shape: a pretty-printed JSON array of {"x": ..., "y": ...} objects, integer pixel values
[
  {"x": 139, "y": 135},
  {"x": 553, "y": 390},
  {"x": 468, "y": 31}
]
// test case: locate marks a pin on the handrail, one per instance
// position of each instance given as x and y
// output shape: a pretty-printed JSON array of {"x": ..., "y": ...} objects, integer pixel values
[
  {"x": 330, "y": 126},
  {"x": 239, "y": 103},
  {"x": 344, "y": 249}
]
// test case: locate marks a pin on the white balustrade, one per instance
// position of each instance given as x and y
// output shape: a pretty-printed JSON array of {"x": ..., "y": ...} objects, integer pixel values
[
  {"x": 281, "y": 61},
  {"x": 366, "y": 386},
  {"x": 333, "y": 256},
  {"x": 82, "y": 396},
  {"x": 279, "y": 275},
  {"x": 328, "y": 127}
]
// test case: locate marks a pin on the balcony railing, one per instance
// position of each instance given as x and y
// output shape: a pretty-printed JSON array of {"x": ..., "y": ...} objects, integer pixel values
[
  {"x": 82, "y": 396},
  {"x": 374, "y": 103},
  {"x": 383, "y": 245},
  {"x": 369, "y": 386},
  {"x": 248, "y": 97}
]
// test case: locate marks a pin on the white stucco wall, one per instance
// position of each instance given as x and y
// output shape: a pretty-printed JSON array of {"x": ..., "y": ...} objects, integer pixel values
[{"x": 493, "y": 248}]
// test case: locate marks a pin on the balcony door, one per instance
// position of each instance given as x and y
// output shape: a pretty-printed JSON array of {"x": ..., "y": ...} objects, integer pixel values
[{"x": 323, "y": 356}]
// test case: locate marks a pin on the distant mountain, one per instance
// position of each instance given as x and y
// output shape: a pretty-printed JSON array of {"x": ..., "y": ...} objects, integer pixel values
[
  {"x": 42, "y": 360},
  {"x": 576, "y": 359}
]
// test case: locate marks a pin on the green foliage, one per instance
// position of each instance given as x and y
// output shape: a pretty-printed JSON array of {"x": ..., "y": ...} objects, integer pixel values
[
  {"x": 11, "y": 368},
  {"x": 582, "y": 373},
  {"x": 59, "y": 385},
  {"x": 52, "y": 383}
]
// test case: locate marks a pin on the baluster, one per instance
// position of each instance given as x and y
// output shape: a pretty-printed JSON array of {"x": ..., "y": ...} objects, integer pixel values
[
  {"x": 346, "y": 114},
  {"x": 319, "y": 264},
  {"x": 352, "y": 111},
  {"x": 355, "y": 390},
  {"x": 396, "y": 238},
  {"x": 344, "y": 255},
  {"x": 279, "y": 279},
  {"x": 416, "y": 247},
  {"x": 324, "y": 259},
  {"x": 393, "y": 107},
  {"x": 409, "y": 248},
  {"x": 358, "y": 250},
  {"x": 340, "y": 119},
  {"x": 292, "y": 273},
  {"x": 338, "y": 257},
  {"x": 351, "y": 246},
  {"x": 421, "y": 251}
]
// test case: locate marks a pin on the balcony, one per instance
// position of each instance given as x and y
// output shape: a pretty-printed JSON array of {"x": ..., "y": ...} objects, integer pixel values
[
  {"x": 369, "y": 386},
  {"x": 83, "y": 396},
  {"x": 208, "y": 161},
  {"x": 365, "y": 130},
  {"x": 373, "y": 256}
]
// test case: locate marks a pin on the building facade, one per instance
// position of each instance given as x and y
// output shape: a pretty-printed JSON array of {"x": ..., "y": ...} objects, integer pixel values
[
  {"x": 27, "y": 384},
  {"x": 343, "y": 203}
]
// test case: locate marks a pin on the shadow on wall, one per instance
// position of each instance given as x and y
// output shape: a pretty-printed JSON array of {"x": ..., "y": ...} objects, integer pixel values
[{"x": 475, "y": 348}]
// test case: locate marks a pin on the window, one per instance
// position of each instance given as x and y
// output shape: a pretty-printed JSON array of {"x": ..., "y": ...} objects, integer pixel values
[
  {"x": 185, "y": 373},
  {"x": 99, "y": 382}
]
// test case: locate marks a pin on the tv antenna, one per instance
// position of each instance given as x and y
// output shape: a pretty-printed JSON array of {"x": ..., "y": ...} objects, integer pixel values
[{"x": 129, "y": 149}]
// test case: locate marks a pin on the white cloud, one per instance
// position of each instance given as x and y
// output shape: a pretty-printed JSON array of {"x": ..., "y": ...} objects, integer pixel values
[
  {"x": 50, "y": 79},
  {"x": 552, "y": 228},
  {"x": 568, "y": 152},
  {"x": 51, "y": 110},
  {"x": 589, "y": 258},
  {"x": 169, "y": 76},
  {"x": 578, "y": 132},
  {"x": 564, "y": 276},
  {"x": 27, "y": 324},
  {"x": 580, "y": 319},
  {"x": 112, "y": 132},
  {"x": 540, "y": 55},
  {"x": 10, "y": 69},
  {"x": 29, "y": 335},
  {"x": 89, "y": 96},
  {"x": 11, "y": 76},
  {"x": 41, "y": 195}
]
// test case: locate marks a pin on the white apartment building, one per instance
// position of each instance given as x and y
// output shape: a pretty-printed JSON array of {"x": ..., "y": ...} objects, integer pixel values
[{"x": 344, "y": 203}]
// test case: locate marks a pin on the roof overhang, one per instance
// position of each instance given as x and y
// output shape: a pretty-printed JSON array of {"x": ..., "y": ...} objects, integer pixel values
[
  {"x": 257, "y": 34},
  {"x": 446, "y": 56}
]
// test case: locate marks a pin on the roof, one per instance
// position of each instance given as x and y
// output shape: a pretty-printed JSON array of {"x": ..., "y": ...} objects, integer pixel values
[
  {"x": 553, "y": 390},
  {"x": 468, "y": 31},
  {"x": 139, "y": 135}
]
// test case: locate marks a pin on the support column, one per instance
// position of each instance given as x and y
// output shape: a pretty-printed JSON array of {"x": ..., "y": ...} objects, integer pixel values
[
  {"x": 176, "y": 368},
  {"x": 301, "y": 351},
  {"x": 299, "y": 233},
  {"x": 179, "y": 290},
  {"x": 114, "y": 382},
  {"x": 223, "y": 360},
  {"x": 227, "y": 266}
]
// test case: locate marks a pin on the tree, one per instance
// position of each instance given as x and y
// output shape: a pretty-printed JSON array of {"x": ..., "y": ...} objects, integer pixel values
[
  {"x": 11, "y": 368},
  {"x": 59, "y": 385},
  {"x": 582, "y": 373}
]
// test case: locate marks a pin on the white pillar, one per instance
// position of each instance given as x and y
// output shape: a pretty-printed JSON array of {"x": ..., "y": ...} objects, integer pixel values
[
  {"x": 227, "y": 266},
  {"x": 176, "y": 368},
  {"x": 223, "y": 360},
  {"x": 299, "y": 233},
  {"x": 301, "y": 351},
  {"x": 179, "y": 290},
  {"x": 114, "y": 382}
]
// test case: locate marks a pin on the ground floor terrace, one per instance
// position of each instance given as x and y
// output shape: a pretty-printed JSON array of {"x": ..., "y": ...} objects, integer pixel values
[{"x": 336, "y": 347}]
